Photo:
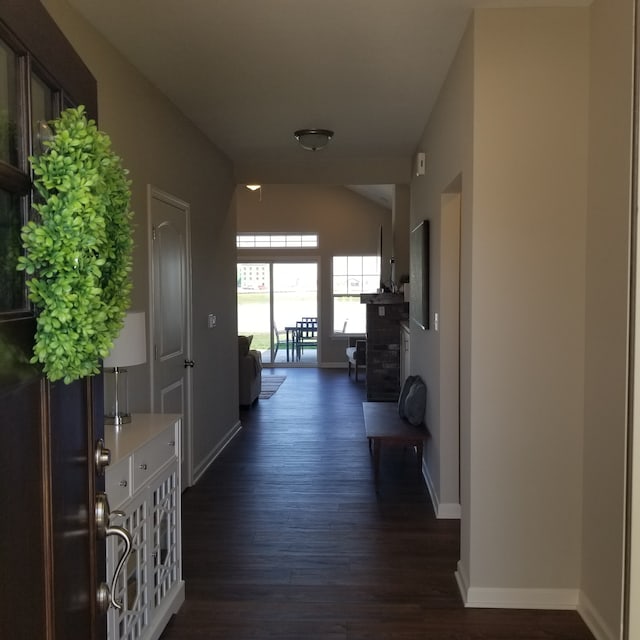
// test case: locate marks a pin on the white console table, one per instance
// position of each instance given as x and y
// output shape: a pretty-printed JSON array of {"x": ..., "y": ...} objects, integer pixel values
[{"x": 143, "y": 481}]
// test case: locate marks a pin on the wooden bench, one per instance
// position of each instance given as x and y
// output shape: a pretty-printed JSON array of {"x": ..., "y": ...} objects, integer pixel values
[{"x": 383, "y": 424}]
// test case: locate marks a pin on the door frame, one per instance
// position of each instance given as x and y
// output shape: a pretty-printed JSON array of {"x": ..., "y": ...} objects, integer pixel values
[
  {"x": 187, "y": 439},
  {"x": 450, "y": 346},
  {"x": 630, "y": 614},
  {"x": 48, "y": 594}
]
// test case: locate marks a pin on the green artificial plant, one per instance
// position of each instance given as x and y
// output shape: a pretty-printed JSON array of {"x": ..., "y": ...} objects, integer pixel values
[{"x": 78, "y": 253}]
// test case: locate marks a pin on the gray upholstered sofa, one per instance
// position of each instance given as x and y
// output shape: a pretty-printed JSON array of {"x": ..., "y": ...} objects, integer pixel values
[{"x": 249, "y": 371}]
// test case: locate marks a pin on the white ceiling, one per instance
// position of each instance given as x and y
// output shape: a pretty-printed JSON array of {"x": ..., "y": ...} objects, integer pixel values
[{"x": 250, "y": 72}]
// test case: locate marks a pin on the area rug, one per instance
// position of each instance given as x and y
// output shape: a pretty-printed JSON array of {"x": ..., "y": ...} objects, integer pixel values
[{"x": 270, "y": 384}]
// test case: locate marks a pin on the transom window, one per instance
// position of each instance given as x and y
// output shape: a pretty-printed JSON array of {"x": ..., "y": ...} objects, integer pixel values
[{"x": 277, "y": 240}]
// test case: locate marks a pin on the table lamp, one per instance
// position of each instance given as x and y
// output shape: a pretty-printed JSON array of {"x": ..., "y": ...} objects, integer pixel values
[{"x": 129, "y": 349}]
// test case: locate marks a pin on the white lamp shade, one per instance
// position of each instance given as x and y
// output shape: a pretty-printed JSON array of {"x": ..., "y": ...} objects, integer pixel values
[{"x": 130, "y": 347}]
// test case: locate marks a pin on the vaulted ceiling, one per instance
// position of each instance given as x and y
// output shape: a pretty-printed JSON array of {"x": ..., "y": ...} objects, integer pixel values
[{"x": 250, "y": 72}]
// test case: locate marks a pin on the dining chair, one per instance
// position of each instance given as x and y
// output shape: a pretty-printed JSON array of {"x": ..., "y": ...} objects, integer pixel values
[
  {"x": 308, "y": 333},
  {"x": 277, "y": 341}
]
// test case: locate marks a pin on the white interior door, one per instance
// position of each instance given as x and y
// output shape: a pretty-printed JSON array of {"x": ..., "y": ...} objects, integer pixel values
[{"x": 170, "y": 288}]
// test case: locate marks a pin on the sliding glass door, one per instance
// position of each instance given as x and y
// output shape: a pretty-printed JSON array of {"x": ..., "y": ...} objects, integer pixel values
[{"x": 278, "y": 305}]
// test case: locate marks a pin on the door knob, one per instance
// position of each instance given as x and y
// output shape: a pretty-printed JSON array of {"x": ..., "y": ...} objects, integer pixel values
[
  {"x": 189, "y": 363},
  {"x": 102, "y": 457}
]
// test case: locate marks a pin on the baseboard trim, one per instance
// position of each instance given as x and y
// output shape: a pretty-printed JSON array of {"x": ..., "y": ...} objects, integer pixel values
[
  {"x": 208, "y": 461},
  {"x": 558, "y": 599},
  {"x": 443, "y": 510},
  {"x": 488, "y": 598},
  {"x": 312, "y": 365},
  {"x": 463, "y": 582},
  {"x": 593, "y": 620},
  {"x": 492, "y": 598}
]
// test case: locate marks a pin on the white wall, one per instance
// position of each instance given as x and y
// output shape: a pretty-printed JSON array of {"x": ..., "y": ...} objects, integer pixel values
[
  {"x": 448, "y": 143},
  {"x": 528, "y": 296},
  {"x": 540, "y": 100},
  {"x": 608, "y": 223},
  {"x": 161, "y": 147},
  {"x": 510, "y": 134}
]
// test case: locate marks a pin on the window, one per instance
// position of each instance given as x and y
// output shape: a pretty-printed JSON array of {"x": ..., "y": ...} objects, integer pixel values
[
  {"x": 353, "y": 275},
  {"x": 14, "y": 184},
  {"x": 12, "y": 294},
  {"x": 41, "y": 112},
  {"x": 8, "y": 107},
  {"x": 276, "y": 240},
  {"x": 14, "y": 175}
]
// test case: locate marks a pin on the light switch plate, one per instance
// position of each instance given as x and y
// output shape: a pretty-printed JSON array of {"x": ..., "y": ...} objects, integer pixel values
[{"x": 211, "y": 321}]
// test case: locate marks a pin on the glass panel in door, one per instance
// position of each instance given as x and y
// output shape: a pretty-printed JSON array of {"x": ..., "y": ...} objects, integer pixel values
[
  {"x": 254, "y": 305},
  {"x": 41, "y": 113},
  {"x": 8, "y": 107},
  {"x": 278, "y": 306},
  {"x": 12, "y": 212},
  {"x": 295, "y": 312},
  {"x": 12, "y": 291}
]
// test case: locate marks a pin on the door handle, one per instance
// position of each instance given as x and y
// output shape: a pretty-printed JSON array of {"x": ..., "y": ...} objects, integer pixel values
[
  {"x": 105, "y": 594},
  {"x": 189, "y": 363}
]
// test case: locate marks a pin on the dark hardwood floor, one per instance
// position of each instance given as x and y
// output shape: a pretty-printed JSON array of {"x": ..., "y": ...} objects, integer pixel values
[{"x": 285, "y": 537}]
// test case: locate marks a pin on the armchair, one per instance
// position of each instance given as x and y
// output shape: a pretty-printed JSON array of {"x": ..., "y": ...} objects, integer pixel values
[{"x": 249, "y": 371}]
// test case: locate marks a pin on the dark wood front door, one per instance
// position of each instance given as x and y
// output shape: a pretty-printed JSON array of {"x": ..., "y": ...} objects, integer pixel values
[{"x": 51, "y": 559}]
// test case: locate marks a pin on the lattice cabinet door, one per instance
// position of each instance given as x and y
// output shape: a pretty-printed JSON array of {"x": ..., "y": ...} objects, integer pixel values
[
  {"x": 132, "y": 587},
  {"x": 165, "y": 537}
]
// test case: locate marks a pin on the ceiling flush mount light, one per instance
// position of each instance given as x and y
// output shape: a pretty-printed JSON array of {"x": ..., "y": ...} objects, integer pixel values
[
  {"x": 255, "y": 187},
  {"x": 313, "y": 139}
]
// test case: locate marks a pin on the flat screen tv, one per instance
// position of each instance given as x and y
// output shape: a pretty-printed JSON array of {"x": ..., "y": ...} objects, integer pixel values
[{"x": 419, "y": 276}]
